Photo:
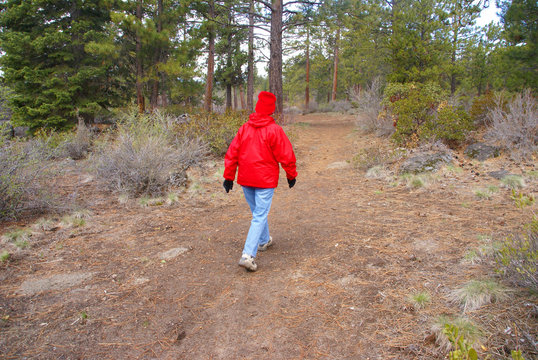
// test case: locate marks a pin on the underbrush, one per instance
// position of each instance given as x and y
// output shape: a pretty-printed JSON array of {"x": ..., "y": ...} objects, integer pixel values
[
  {"x": 75, "y": 144},
  {"x": 517, "y": 257},
  {"x": 217, "y": 130},
  {"x": 422, "y": 113},
  {"x": 147, "y": 154},
  {"x": 25, "y": 177},
  {"x": 371, "y": 119},
  {"x": 513, "y": 125}
]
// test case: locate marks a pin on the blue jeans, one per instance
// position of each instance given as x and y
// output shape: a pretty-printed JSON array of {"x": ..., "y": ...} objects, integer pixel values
[{"x": 259, "y": 200}]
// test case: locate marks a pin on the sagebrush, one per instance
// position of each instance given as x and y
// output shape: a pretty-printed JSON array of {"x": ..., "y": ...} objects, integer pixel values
[
  {"x": 517, "y": 257},
  {"x": 369, "y": 104},
  {"x": 514, "y": 125},
  {"x": 25, "y": 177},
  {"x": 147, "y": 155}
]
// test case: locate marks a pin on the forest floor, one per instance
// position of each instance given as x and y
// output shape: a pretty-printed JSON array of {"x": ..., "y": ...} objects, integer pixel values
[{"x": 162, "y": 281}]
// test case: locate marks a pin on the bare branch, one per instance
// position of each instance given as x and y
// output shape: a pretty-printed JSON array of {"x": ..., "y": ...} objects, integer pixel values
[
  {"x": 266, "y": 4},
  {"x": 302, "y": 2}
]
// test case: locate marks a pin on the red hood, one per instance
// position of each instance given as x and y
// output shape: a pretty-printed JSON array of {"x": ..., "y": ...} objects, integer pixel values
[{"x": 260, "y": 120}]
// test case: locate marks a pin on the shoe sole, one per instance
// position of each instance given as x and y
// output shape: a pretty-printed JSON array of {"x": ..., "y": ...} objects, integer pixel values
[{"x": 248, "y": 266}]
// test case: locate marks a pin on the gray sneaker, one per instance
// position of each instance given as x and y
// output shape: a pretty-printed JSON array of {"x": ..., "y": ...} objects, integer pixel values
[
  {"x": 248, "y": 262},
  {"x": 266, "y": 245}
]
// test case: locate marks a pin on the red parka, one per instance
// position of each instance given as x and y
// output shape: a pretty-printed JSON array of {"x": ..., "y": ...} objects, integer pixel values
[{"x": 259, "y": 146}]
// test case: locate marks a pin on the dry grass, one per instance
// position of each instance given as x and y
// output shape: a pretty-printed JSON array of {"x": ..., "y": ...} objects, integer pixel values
[
  {"x": 477, "y": 293},
  {"x": 466, "y": 328}
]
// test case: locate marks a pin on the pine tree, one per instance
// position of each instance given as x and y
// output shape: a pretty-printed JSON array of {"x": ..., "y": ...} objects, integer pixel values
[
  {"x": 520, "y": 20},
  {"x": 53, "y": 77}
]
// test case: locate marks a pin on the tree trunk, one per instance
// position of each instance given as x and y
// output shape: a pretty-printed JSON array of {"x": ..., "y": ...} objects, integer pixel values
[
  {"x": 157, "y": 58},
  {"x": 228, "y": 96},
  {"x": 250, "y": 69},
  {"x": 335, "y": 73},
  {"x": 275, "y": 57},
  {"x": 139, "y": 93},
  {"x": 229, "y": 55},
  {"x": 307, "y": 87},
  {"x": 242, "y": 97},
  {"x": 208, "y": 100},
  {"x": 453, "y": 63},
  {"x": 235, "y": 97}
]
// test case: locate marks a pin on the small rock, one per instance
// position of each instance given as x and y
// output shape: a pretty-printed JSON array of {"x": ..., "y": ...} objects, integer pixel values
[
  {"x": 54, "y": 282},
  {"x": 172, "y": 253},
  {"x": 498, "y": 174},
  {"x": 425, "y": 162},
  {"x": 481, "y": 151},
  {"x": 338, "y": 165},
  {"x": 140, "y": 281}
]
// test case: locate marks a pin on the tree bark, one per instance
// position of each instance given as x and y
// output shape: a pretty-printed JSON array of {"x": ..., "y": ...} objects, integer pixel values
[
  {"x": 235, "y": 98},
  {"x": 139, "y": 74},
  {"x": 275, "y": 57},
  {"x": 242, "y": 96},
  {"x": 157, "y": 58},
  {"x": 208, "y": 100},
  {"x": 250, "y": 67},
  {"x": 229, "y": 81},
  {"x": 453, "y": 62},
  {"x": 307, "y": 87},
  {"x": 228, "y": 97},
  {"x": 335, "y": 73}
]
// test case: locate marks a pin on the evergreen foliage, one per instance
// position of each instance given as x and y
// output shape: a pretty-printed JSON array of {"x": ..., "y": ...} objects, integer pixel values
[{"x": 52, "y": 76}]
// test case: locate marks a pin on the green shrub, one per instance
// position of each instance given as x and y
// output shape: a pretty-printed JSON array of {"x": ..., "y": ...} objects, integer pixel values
[
  {"x": 521, "y": 200},
  {"x": 450, "y": 124},
  {"x": 517, "y": 257},
  {"x": 465, "y": 329},
  {"x": 422, "y": 114},
  {"x": 463, "y": 350},
  {"x": 217, "y": 130},
  {"x": 483, "y": 104}
]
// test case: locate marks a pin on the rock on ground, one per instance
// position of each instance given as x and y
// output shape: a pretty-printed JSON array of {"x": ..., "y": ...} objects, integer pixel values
[
  {"x": 481, "y": 151},
  {"x": 425, "y": 162},
  {"x": 55, "y": 282}
]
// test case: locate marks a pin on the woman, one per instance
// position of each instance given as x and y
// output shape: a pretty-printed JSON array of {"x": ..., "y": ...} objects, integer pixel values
[{"x": 258, "y": 148}]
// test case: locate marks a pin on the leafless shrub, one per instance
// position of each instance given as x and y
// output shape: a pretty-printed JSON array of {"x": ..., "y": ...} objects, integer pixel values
[
  {"x": 335, "y": 106},
  {"x": 312, "y": 108},
  {"x": 514, "y": 126},
  {"x": 147, "y": 155},
  {"x": 25, "y": 178},
  {"x": 368, "y": 102},
  {"x": 77, "y": 146}
]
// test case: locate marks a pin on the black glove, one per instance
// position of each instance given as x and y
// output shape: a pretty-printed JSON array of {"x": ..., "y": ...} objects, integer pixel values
[
  {"x": 291, "y": 182},
  {"x": 228, "y": 185}
]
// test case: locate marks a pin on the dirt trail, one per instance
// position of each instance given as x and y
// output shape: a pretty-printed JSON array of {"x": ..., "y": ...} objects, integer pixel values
[{"x": 348, "y": 252}]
